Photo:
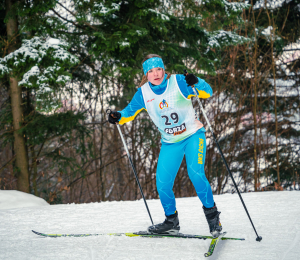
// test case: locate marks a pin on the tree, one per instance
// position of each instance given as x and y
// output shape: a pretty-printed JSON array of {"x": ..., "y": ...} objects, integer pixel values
[
  {"x": 42, "y": 67},
  {"x": 16, "y": 103},
  {"x": 111, "y": 38},
  {"x": 255, "y": 83}
]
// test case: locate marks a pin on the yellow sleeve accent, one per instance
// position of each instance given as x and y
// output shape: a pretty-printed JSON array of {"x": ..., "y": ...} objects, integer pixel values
[
  {"x": 190, "y": 96},
  {"x": 201, "y": 94},
  {"x": 128, "y": 119}
]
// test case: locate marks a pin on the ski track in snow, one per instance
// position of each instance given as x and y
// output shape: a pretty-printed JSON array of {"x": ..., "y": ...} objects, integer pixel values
[{"x": 274, "y": 214}]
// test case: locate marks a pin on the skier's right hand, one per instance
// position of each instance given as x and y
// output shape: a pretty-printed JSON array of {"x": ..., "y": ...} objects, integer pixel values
[{"x": 114, "y": 117}]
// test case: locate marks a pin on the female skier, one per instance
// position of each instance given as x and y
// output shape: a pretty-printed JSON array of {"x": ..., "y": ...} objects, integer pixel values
[{"x": 167, "y": 99}]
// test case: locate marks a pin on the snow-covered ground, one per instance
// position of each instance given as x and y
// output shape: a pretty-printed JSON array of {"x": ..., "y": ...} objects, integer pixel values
[
  {"x": 10, "y": 199},
  {"x": 274, "y": 214}
]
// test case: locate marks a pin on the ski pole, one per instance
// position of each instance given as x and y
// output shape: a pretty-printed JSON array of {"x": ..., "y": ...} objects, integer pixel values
[
  {"x": 258, "y": 238},
  {"x": 108, "y": 111}
]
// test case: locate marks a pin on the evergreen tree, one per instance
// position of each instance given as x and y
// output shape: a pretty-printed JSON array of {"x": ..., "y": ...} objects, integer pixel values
[{"x": 41, "y": 68}]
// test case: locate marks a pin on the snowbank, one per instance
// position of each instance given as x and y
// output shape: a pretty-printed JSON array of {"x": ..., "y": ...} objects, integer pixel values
[
  {"x": 274, "y": 214},
  {"x": 10, "y": 199}
]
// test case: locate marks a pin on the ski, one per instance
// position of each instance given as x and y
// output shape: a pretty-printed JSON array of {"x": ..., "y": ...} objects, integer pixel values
[
  {"x": 137, "y": 234},
  {"x": 214, "y": 243}
]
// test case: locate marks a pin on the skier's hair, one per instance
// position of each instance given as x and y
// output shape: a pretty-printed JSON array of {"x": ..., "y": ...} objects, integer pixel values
[{"x": 149, "y": 56}]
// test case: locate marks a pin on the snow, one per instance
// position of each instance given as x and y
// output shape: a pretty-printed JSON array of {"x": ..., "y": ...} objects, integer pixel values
[
  {"x": 34, "y": 71},
  {"x": 3, "y": 69},
  {"x": 34, "y": 51},
  {"x": 221, "y": 37},
  {"x": 100, "y": 8},
  {"x": 271, "y": 4},
  {"x": 267, "y": 31},
  {"x": 234, "y": 7},
  {"x": 163, "y": 16},
  {"x": 10, "y": 199},
  {"x": 269, "y": 34},
  {"x": 274, "y": 214},
  {"x": 124, "y": 43},
  {"x": 53, "y": 41}
]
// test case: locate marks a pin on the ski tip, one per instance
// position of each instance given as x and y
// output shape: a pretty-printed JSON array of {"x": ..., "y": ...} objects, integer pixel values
[{"x": 37, "y": 233}]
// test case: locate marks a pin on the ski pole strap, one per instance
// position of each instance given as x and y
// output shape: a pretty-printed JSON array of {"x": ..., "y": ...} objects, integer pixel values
[{"x": 109, "y": 112}]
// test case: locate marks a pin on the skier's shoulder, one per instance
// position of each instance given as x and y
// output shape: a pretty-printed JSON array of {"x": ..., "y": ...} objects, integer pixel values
[{"x": 138, "y": 96}]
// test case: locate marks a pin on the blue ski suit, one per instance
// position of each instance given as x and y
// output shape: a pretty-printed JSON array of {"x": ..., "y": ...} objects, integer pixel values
[{"x": 192, "y": 146}]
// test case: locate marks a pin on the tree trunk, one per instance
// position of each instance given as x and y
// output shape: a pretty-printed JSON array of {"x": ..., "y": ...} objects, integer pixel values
[
  {"x": 34, "y": 169},
  {"x": 16, "y": 105},
  {"x": 255, "y": 107},
  {"x": 271, "y": 23}
]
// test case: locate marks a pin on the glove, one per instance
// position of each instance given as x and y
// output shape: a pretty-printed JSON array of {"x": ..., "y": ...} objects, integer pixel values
[
  {"x": 114, "y": 116},
  {"x": 191, "y": 79}
]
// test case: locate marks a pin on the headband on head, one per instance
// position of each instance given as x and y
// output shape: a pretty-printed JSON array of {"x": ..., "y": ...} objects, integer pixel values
[{"x": 152, "y": 63}]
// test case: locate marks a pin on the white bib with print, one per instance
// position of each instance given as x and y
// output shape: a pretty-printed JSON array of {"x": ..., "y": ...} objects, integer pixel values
[{"x": 171, "y": 112}]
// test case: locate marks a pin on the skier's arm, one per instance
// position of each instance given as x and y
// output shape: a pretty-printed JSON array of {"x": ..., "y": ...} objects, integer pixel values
[
  {"x": 203, "y": 89},
  {"x": 135, "y": 106}
]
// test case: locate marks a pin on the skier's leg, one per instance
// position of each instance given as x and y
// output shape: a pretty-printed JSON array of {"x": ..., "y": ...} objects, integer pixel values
[
  {"x": 195, "y": 152},
  {"x": 169, "y": 161}
]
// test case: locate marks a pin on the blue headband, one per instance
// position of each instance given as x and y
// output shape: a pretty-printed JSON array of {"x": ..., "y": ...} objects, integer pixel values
[{"x": 152, "y": 63}]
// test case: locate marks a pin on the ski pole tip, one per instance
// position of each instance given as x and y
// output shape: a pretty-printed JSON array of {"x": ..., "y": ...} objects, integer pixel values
[{"x": 258, "y": 239}]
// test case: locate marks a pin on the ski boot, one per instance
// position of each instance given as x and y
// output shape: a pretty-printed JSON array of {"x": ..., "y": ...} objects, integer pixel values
[
  {"x": 169, "y": 226},
  {"x": 213, "y": 220}
]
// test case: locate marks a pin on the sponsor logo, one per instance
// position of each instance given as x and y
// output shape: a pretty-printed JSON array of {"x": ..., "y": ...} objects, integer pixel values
[
  {"x": 176, "y": 130},
  {"x": 150, "y": 100},
  {"x": 200, "y": 151},
  {"x": 163, "y": 104}
]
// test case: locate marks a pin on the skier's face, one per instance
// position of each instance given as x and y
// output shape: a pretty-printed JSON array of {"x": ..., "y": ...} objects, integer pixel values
[{"x": 156, "y": 76}]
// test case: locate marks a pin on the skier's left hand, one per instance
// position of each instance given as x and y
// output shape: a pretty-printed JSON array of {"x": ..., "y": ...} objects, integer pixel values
[{"x": 191, "y": 79}]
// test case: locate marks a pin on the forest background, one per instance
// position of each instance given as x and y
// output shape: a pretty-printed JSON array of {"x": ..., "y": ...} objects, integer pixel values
[{"x": 63, "y": 63}]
